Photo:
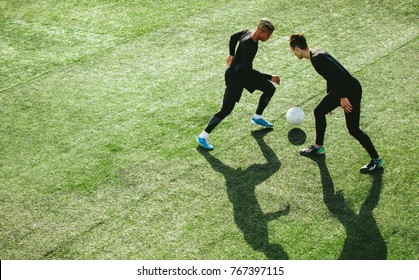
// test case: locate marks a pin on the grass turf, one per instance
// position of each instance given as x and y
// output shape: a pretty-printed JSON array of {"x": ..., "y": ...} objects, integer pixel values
[{"x": 102, "y": 100}]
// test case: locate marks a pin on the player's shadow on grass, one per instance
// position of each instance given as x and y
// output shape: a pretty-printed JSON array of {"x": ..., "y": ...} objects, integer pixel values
[
  {"x": 363, "y": 238},
  {"x": 241, "y": 185}
]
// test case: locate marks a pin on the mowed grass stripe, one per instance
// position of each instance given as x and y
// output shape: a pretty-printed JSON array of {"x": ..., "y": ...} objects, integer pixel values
[{"x": 41, "y": 37}]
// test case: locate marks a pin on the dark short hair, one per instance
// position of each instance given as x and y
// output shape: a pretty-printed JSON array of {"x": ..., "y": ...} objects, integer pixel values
[{"x": 298, "y": 40}]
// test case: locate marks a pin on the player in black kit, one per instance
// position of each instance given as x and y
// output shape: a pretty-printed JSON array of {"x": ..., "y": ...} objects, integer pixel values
[
  {"x": 342, "y": 90},
  {"x": 241, "y": 75}
]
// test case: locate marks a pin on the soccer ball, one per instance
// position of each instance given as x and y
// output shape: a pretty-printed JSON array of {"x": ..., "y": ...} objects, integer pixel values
[{"x": 295, "y": 115}]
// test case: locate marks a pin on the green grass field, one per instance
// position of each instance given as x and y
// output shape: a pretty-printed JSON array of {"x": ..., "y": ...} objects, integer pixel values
[{"x": 101, "y": 102}]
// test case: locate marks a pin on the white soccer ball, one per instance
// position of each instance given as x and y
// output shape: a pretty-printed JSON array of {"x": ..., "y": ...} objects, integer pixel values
[{"x": 295, "y": 115}]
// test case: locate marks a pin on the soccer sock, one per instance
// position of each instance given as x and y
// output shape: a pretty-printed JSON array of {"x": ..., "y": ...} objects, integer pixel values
[
  {"x": 204, "y": 135},
  {"x": 213, "y": 124},
  {"x": 256, "y": 116}
]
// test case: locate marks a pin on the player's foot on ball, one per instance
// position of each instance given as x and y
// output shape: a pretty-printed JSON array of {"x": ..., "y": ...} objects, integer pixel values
[
  {"x": 261, "y": 122},
  {"x": 373, "y": 165},
  {"x": 312, "y": 150},
  {"x": 204, "y": 143}
]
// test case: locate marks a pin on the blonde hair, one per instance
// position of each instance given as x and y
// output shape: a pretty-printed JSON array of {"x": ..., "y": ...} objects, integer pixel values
[{"x": 266, "y": 24}]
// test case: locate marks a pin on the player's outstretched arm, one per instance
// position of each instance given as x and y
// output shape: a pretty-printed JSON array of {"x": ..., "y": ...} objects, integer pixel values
[{"x": 275, "y": 79}]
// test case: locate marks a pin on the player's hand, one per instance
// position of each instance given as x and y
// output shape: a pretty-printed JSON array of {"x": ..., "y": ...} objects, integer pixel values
[
  {"x": 346, "y": 105},
  {"x": 229, "y": 60},
  {"x": 330, "y": 113},
  {"x": 275, "y": 79}
]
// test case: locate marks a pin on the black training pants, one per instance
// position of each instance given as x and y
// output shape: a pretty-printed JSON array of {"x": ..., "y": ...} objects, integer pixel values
[
  {"x": 232, "y": 95},
  {"x": 331, "y": 102}
]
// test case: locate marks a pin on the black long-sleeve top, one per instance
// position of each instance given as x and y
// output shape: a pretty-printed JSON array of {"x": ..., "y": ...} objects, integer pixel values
[
  {"x": 243, "y": 57},
  {"x": 339, "y": 81}
]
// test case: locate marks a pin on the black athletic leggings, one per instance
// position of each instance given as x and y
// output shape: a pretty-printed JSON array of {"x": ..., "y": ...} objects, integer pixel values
[
  {"x": 233, "y": 94},
  {"x": 331, "y": 102}
]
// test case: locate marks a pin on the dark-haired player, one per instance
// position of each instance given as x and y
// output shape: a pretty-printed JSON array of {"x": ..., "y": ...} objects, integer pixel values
[
  {"x": 241, "y": 75},
  {"x": 342, "y": 90}
]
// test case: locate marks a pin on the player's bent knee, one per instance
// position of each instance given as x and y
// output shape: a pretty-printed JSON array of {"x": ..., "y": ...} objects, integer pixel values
[{"x": 317, "y": 112}]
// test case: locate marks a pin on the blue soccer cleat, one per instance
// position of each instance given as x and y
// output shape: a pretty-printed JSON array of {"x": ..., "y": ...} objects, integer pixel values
[
  {"x": 203, "y": 142},
  {"x": 261, "y": 122}
]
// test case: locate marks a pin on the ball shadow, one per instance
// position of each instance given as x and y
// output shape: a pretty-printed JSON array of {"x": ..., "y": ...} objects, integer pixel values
[{"x": 297, "y": 136}]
